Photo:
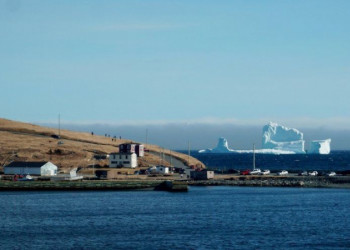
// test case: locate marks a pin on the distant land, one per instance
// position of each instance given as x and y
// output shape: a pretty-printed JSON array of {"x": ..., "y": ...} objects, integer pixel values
[{"x": 27, "y": 142}]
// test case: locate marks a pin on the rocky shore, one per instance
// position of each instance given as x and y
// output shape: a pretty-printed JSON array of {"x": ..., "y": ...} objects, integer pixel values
[
  {"x": 178, "y": 185},
  {"x": 172, "y": 186},
  {"x": 274, "y": 181}
]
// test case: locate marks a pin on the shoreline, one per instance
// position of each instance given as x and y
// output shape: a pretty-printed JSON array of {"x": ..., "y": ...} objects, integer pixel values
[
  {"x": 176, "y": 185},
  {"x": 278, "y": 181},
  {"x": 120, "y": 185}
]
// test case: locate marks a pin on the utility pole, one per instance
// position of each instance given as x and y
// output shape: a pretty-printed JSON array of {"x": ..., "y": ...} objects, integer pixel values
[
  {"x": 160, "y": 157},
  {"x": 253, "y": 156},
  {"x": 59, "y": 126},
  {"x": 93, "y": 164},
  {"x": 189, "y": 152}
]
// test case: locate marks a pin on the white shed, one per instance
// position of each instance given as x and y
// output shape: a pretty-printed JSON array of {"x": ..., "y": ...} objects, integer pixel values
[
  {"x": 31, "y": 168},
  {"x": 162, "y": 169},
  {"x": 158, "y": 170},
  {"x": 72, "y": 176},
  {"x": 127, "y": 160},
  {"x": 202, "y": 175}
]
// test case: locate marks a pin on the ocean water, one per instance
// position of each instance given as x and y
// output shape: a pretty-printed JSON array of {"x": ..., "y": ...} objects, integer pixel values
[
  {"x": 335, "y": 161},
  {"x": 203, "y": 218}
]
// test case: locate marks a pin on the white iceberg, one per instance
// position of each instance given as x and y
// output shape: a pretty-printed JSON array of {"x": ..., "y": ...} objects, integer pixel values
[
  {"x": 281, "y": 138},
  {"x": 222, "y": 147},
  {"x": 322, "y": 147},
  {"x": 265, "y": 151},
  {"x": 277, "y": 140}
]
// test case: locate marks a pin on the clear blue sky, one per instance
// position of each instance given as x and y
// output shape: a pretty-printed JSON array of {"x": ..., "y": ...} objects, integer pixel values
[{"x": 116, "y": 61}]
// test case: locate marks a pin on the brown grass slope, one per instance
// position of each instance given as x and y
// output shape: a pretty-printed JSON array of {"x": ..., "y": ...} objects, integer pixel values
[{"x": 28, "y": 142}]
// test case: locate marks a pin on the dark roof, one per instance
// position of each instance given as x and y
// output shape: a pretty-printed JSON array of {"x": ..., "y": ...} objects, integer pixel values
[
  {"x": 133, "y": 143},
  {"x": 26, "y": 164},
  {"x": 122, "y": 153}
]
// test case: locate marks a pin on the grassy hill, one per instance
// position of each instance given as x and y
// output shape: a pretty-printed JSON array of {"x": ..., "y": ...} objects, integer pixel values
[{"x": 27, "y": 142}]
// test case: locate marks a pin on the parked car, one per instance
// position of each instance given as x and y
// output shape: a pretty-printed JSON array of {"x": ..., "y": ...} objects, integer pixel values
[
  {"x": 303, "y": 173},
  {"x": 255, "y": 171},
  {"x": 283, "y": 172},
  {"x": 331, "y": 174},
  {"x": 313, "y": 173},
  {"x": 245, "y": 172},
  {"x": 265, "y": 172}
]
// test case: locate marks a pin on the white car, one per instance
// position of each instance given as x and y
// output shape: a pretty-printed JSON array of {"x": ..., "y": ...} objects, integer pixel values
[
  {"x": 331, "y": 174},
  {"x": 313, "y": 173},
  {"x": 255, "y": 171},
  {"x": 265, "y": 172},
  {"x": 283, "y": 172}
]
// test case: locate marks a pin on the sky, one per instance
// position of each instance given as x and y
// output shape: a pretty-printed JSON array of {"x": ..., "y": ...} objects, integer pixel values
[{"x": 160, "y": 63}]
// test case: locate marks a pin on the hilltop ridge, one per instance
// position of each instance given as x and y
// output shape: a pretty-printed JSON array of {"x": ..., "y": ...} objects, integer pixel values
[{"x": 29, "y": 142}]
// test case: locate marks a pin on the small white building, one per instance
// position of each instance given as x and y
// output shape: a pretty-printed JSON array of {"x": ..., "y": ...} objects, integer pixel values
[
  {"x": 120, "y": 160},
  {"x": 162, "y": 170},
  {"x": 158, "y": 170},
  {"x": 31, "y": 168},
  {"x": 72, "y": 176},
  {"x": 202, "y": 175}
]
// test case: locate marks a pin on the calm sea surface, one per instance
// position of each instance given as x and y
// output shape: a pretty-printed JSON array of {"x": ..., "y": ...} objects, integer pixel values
[
  {"x": 203, "y": 218},
  {"x": 335, "y": 161}
]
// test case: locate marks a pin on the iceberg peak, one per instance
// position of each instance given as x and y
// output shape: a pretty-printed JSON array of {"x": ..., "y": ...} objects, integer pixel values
[
  {"x": 221, "y": 147},
  {"x": 279, "y": 137},
  {"x": 322, "y": 147}
]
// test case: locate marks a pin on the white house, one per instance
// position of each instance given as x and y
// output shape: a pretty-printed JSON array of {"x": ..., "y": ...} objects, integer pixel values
[
  {"x": 126, "y": 160},
  {"x": 31, "y": 168}
]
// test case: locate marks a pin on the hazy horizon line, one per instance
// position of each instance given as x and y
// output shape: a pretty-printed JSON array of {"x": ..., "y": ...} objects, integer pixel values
[{"x": 334, "y": 123}]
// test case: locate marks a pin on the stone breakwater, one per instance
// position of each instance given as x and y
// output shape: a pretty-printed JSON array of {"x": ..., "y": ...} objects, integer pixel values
[
  {"x": 315, "y": 182},
  {"x": 172, "y": 186}
]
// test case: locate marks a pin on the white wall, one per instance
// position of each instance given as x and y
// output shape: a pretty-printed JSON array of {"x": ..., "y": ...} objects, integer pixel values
[
  {"x": 124, "y": 160},
  {"x": 49, "y": 169}
]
